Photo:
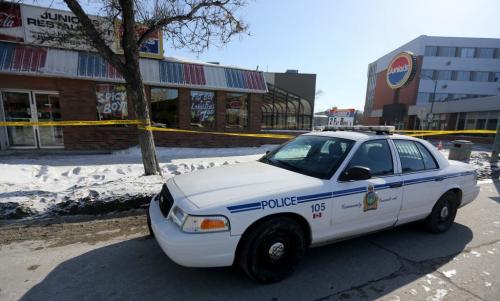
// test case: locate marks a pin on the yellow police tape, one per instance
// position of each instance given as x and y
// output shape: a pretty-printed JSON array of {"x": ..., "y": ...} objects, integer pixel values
[
  {"x": 69, "y": 123},
  {"x": 147, "y": 126}
]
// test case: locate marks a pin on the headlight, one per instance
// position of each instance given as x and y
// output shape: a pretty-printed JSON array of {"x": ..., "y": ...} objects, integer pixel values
[{"x": 199, "y": 224}]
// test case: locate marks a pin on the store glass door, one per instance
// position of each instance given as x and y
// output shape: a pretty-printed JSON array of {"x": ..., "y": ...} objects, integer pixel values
[
  {"x": 17, "y": 107},
  {"x": 48, "y": 109},
  {"x": 32, "y": 107}
]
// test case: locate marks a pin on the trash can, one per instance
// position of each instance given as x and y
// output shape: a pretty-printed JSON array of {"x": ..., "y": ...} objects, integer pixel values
[{"x": 460, "y": 150}]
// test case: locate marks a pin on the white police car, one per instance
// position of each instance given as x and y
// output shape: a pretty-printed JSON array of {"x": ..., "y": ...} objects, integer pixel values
[{"x": 317, "y": 188}]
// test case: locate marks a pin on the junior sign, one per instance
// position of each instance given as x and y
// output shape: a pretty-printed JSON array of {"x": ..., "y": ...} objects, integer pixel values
[
  {"x": 33, "y": 24},
  {"x": 401, "y": 70}
]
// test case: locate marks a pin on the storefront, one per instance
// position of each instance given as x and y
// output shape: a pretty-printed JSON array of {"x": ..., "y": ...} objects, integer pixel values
[{"x": 47, "y": 84}]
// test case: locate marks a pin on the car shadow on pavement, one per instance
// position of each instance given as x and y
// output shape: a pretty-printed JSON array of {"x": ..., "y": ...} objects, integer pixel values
[{"x": 370, "y": 266}]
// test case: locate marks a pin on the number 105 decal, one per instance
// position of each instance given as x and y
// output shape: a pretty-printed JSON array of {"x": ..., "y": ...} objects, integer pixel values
[{"x": 317, "y": 210}]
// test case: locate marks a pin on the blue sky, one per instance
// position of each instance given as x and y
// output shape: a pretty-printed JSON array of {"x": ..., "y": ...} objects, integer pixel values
[{"x": 338, "y": 39}]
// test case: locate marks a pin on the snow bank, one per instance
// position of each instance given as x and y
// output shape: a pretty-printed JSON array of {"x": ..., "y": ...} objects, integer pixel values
[{"x": 39, "y": 184}]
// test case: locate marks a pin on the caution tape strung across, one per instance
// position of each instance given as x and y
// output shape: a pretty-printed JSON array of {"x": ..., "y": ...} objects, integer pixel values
[{"x": 147, "y": 126}]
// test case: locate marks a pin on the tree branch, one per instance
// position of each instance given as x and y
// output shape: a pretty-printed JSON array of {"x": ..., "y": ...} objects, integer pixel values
[
  {"x": 179, "y": 18},
  {"x": 94, "y": 36}
]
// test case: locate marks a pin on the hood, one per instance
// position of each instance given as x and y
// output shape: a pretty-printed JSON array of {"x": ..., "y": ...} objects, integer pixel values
[{"x": 233, "y": 183}]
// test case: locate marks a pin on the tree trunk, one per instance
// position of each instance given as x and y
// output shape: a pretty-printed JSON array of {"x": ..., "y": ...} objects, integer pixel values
[{"x": 135, "y": 90}]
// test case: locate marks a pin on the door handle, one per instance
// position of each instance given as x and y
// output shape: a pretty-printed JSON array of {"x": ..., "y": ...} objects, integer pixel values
[
  {"x": 439, "y": 179},
  {"x": 396, "y": 185}
]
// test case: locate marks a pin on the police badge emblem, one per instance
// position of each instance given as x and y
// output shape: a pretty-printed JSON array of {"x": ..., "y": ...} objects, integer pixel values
[{"x": 371, "y": 199}]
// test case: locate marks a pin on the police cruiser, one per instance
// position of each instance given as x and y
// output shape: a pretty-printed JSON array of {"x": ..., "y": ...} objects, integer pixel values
[{"x": 317, "y": 188}]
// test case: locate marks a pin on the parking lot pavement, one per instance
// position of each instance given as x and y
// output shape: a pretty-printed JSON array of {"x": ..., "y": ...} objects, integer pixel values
[{"x": 114, "y": 260}]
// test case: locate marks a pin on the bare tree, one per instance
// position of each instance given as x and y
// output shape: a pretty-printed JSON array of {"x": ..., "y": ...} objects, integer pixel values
[{"x": 190, "y": 24}]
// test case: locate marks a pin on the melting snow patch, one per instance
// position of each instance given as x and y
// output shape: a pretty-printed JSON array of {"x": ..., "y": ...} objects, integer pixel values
[
  {"x": 475, "y": 253},
  {"x": 440, "y": 294},
  {"x": 426, "y": 288},
  {"x": 450, "y": 273},
  {"x": 486, "y": 273},
  {"x": 413, "y": 292},
  {"x": 487, "y": 284}
]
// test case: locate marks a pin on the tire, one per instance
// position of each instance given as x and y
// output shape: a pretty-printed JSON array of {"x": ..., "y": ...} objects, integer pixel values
[
  {"x": 150, "y": 229},
  {"x": 272, "y": 250},
  {"x": 443, "y": 213}
]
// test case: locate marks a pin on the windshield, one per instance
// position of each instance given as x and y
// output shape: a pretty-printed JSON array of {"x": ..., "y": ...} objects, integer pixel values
[{"x": 316, "y": 156}]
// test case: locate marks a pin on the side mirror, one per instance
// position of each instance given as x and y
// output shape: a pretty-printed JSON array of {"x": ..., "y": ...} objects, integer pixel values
[
  {"x": 356, "y": 173},
  {"x": 267, "y": 152}
]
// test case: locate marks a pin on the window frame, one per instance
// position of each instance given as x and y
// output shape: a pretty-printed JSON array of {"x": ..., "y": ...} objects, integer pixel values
[
  {"x": 420, "y": 153},
  {"x": 151, "y": 88},
  {"x": 391, "y": 150},
  {"x": 246, "y": 126}
]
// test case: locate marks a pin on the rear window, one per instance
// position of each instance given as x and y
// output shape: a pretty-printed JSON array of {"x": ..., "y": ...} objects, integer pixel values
[{"x": 414, "y": 156}]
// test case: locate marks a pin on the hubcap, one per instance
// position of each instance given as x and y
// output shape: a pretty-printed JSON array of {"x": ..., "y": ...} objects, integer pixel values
[
  {"x": 444, "y": 212},
  {"x": 276, "y": 251}
]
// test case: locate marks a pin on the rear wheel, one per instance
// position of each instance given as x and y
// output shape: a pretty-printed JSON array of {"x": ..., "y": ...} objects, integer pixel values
[
  {"x": 272, "y": 250},
  {"x": 443, "y": 214}
]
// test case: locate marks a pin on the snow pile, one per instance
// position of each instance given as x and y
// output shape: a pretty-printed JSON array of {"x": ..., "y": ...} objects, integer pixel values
[{"x": 33, "y": 185}]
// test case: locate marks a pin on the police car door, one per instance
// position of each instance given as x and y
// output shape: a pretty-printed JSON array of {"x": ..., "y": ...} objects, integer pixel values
[
  {"x": 368, "y": 205},
  {"x": 421, "y": 177}
]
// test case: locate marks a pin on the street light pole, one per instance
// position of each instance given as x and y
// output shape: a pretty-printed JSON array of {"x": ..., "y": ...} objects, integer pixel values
[{"x": 433, "y": 97}]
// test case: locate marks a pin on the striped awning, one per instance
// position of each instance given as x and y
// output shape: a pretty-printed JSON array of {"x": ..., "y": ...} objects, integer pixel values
[{"x": 24, "y": 59}]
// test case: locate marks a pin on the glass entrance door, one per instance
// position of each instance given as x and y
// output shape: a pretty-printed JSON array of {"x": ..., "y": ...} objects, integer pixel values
[
  {"x": 48, "y": 109},
  {"x": 17, "y": 107},
  {"x": 35, "y": 107}
]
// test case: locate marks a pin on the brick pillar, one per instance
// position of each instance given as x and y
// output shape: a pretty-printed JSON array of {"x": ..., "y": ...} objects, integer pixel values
[
  {"x": 184, "y": 109},
  {"x": 255, "y": 114},
  {"x": 220, "y": 110}
]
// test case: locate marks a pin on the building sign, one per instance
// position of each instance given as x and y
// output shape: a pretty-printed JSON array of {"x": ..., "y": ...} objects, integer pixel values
[
  {"x": 203, "y": 109},
  {"x": 33, "y": 25},
  {"x": 40, "y": 23},
  {"x": 401, "y": 70},
  {"x": 152, "y": 47},
  {"x": 11, "y": 24},
  {"x": 111, "y": 101},
  {"x": 343, "y": 117}
]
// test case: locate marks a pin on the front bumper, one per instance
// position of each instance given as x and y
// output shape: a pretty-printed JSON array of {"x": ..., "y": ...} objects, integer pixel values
[
  {"x": 470, "y": 196},
  {"x": 192, "y": 250}
]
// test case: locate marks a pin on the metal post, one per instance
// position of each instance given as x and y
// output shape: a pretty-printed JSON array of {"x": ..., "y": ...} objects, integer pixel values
[
  {"x": 432, "y": 103},
  {"x": 496, "y": 146}
]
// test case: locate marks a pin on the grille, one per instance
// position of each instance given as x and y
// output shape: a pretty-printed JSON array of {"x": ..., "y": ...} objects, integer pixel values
[{"x": 166, "y": 200}]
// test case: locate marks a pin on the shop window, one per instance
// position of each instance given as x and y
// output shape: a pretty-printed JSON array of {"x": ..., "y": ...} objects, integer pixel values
[
  {"x": 431, "y": 50},
  {"x": 492, "y": 124},
  {"x": 237, "y": 106},
  {"x": 486, "y": 53},
  {"x": 203, "y": 109},
  {"x": 165, "y": 107},
  {"x": 447, "y": 51},
  {"x": 423, "y": 97},
  {"x": 444, "y": 75},
  {"x": 480, "y": 76},
  {"x": 111, "y": 101},
  {"x": 462, "y": 75},
  {"x": 427, "y": 74},
  {"x": 467, "y": 52}
]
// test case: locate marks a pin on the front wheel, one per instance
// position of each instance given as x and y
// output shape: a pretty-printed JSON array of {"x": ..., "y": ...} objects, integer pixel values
[
  {"x": 273, "y": 249},
  {"x": 443, "y": 214}
]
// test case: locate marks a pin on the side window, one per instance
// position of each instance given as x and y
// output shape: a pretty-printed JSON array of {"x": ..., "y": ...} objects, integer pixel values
[
  {"x": 411, "y": 159},
  {"x": 429, "y": 161},
  {"x": 376, "y": 155}
]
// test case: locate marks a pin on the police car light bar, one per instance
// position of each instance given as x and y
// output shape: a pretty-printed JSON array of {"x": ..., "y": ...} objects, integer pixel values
[{"x": 386, "y": 129}]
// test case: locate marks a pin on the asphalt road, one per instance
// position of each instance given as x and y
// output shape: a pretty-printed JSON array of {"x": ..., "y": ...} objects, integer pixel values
[{"x": 113, "y": 260}]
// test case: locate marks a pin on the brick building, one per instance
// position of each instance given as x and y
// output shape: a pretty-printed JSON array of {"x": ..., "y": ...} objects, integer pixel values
[{"x": 456, "y": 85}]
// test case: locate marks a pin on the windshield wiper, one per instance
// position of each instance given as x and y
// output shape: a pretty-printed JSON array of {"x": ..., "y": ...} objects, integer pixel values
[{"x": 286, "y": 164}]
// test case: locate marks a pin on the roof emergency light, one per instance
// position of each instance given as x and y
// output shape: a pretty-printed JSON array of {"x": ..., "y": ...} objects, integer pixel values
[{"x": 386, "y": 129}]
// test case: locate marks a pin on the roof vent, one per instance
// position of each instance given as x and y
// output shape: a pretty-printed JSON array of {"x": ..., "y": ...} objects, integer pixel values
[{"x": 295, "y": 71}]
